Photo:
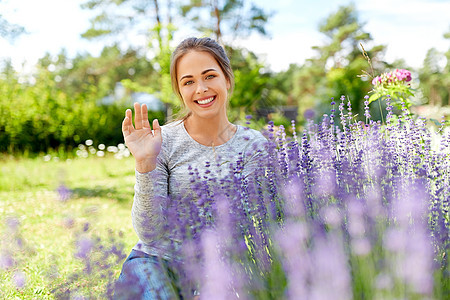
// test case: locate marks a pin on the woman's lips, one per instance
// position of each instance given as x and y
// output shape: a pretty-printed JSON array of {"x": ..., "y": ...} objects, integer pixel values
[{"x": 205, "y": 102}]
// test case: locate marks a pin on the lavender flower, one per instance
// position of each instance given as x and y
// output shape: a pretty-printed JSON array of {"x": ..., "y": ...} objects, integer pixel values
[
  {"x": 366, "y": 108},
  {"x": 309, "y": 114},
  {"x": 12, "y": 224},
  {"x": 292, "y": 241},
  {"x": 6, "y": 261},
  {"x": 64, "y": 192},
  {"x": 84, "y": 247},
  {"x": 330, "y": 269},
  {"x": 218, "y": 278},
  {"x": 19, "y": 279}
]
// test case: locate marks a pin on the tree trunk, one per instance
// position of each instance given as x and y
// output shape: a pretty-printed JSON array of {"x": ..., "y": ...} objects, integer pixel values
[
  {"x": 218, "y": 19},
  {"x": 158, "y": 22},
  {"x": 169, "y": 13},
  {"x": 435, "y": 99},
  {"x": 158, "y": 19}
]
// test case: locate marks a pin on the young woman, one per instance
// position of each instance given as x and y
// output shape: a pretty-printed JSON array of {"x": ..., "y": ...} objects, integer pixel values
[{"x": 203, "y": 79}]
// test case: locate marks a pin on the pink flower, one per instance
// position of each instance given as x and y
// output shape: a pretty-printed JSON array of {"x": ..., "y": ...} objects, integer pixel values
[
  {"x": 397, "y": 76},
  {"x": 403, "y": 75},
  {"x": 376, "y": 80}
]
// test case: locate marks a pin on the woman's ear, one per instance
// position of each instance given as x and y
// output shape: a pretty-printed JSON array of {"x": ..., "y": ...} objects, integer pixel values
[{"x": 228, "y": 84}]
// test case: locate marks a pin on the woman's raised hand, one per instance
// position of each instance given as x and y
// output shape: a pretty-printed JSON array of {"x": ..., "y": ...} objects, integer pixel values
[{"x": 144, "y": 144}]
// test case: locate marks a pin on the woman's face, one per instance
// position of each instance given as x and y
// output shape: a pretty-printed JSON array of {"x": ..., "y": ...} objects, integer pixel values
[{"x": 203, "y": 86}]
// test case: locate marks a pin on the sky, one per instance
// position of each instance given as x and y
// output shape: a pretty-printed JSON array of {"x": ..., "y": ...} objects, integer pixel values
[{"x": 409, "y": 28}]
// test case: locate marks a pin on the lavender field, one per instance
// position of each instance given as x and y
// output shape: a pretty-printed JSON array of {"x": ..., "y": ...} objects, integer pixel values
[{"x": 339, "y": 210}]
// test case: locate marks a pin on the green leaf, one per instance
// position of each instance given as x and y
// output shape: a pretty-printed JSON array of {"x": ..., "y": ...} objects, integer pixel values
[{"x": 374, "y": 97}]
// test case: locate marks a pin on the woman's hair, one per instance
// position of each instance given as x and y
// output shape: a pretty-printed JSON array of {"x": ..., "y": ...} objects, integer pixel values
[{"x": 199, "y": 44}]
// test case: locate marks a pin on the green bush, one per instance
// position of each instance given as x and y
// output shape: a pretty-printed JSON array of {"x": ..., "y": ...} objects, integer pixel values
[{"x": 39, "y": 117}]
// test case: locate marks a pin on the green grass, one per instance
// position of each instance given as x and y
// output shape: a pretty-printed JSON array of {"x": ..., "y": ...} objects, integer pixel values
[{"x": 44, "y": 243}]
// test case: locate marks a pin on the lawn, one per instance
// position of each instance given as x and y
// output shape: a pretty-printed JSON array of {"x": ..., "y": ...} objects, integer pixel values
[{"x": 48, "y": 209}]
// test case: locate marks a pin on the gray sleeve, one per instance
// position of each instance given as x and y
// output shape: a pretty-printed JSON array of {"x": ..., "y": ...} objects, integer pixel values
[{"x": 150, "y": 194}]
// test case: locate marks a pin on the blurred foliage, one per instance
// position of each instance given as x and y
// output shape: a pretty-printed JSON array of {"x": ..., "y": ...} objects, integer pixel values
[
  {"x": 252, "y": 80},
  {"x": 334, "y": 70},
  {"x": 231, "y": 18},
  {"x": 8, "y": 30},
  {"x": 159, "y": 28},
  {"x": 63, "y": 103},
  {"x": 435, "y": 76},
  {"x": 118, "y": 19},
  {"x": 140, "y": 17},
  {"x": 60, "y": 105}
]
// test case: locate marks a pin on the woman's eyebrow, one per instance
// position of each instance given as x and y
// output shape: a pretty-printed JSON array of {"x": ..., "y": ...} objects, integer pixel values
[
  {"x": 207, "y": 70},
  {"x": 204, "y": 72}
]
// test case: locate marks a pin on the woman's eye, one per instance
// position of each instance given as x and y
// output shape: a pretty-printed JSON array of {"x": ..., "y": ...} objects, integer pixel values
[
  {"x": 210, "y": 76},
  {"x": 188, "y": 82}
]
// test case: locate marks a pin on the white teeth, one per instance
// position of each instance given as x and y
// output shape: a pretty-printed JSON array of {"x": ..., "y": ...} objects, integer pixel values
[{"x": 205, "y": 101}]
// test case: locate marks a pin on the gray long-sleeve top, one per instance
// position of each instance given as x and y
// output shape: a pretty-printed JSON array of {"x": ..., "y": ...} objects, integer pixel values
[{"x": 180, "y": 154}]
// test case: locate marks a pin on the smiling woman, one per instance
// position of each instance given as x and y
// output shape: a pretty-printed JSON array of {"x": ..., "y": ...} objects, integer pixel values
[
  {"x": 202, "y": 142},
  {"x": 204, "y": 91},
  {"x": 207, "y": 86}
]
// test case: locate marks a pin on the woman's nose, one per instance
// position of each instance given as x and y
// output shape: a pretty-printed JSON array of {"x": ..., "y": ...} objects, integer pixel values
[{"x": 201, "y": 87}]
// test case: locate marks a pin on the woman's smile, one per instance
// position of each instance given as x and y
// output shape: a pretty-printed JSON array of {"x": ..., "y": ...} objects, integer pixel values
[{"x": 206, "y": 101}]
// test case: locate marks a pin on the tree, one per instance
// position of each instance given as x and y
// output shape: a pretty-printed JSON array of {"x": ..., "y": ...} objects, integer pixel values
[
  {"x": 432, "y": 79},
  {"x": 434, "y": 76},
  {"x": 8, "y": 30},
  {"x": 120, "y": 18},
  {"x": 86, "y": 72},
  {"x": 60, "y": 105},
  {"x": 116, "y": 17},
  {"x": 447, "y": 69},
  {"x": 253, "y": 83},
  {"x": 144, "y": 17},
  {"x": 227, "y": 17},
  {"x": 335, "y": 69}
]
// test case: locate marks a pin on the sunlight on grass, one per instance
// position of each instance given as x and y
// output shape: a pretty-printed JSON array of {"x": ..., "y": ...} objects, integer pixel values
[{"x": 44, "y": 242}]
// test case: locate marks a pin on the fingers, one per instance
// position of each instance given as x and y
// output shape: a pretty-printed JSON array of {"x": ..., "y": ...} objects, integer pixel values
[
  {"x": 125, "y": 130},
  {"x": 140, "y": 119},
  {"x": 129, "y": 115},
  {"x": 137, "y": 116},
  {"x": 145, "y": 122},
  {"x": 156, "y": 128},
  {"x": 127, "y": 125}
]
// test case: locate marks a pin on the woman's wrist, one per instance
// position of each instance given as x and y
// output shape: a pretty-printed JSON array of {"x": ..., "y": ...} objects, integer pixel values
[{"x": 145, "y": 165}]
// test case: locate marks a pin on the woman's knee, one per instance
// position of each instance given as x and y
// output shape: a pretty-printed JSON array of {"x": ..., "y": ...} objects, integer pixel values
[{"x": 144, "y": 278}]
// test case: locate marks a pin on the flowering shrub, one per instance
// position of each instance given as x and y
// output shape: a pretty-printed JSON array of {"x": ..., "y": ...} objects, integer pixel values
[{"x": 396, "y": 85}]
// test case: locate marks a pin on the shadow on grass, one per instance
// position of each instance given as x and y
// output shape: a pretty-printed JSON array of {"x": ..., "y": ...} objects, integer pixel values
[{"x": 101, "y": 192}]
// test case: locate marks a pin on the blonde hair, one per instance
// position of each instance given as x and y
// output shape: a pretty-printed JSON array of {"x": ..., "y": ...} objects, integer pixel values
[{"x": 199, "y": 44}]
